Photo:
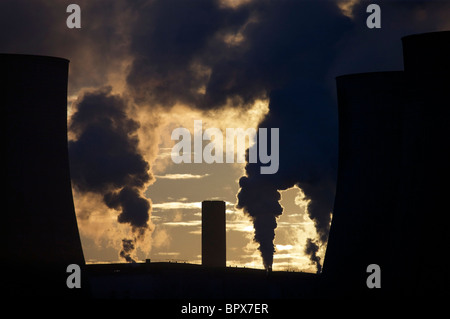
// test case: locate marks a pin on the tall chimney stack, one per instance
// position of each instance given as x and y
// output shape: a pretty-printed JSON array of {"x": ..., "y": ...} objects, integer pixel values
[{"x": 213, "y": 234}]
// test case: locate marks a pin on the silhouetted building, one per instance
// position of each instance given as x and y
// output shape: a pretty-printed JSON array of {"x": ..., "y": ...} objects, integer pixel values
[
  {"x": 190, "y": 281},
  {"x": 394, "y": 132},
  {"x": 213, "y": 234},
  {"x": 39, "y": 225}
]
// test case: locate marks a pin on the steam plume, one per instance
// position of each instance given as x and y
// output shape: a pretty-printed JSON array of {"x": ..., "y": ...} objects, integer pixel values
[
  {"x": 311, "y": 250},
  {"x": 303, "y": 110},
  {"x": 105, "y": 159},
  {"x": 127, "y": 248}
]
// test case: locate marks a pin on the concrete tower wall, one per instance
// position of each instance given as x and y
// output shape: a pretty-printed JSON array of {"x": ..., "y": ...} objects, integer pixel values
[
  {"x": 390, "y": 200},
  {"x": 370, "y": 107},
  {"x": 427, "y": 53},
  {"x": 425, "y": 170},
  {"x": 39, "y": 224}
]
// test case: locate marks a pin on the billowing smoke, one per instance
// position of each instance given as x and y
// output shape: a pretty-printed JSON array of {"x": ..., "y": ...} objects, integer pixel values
[
  {"x": 263, "y": 207},
  {"x": 308, "y": 156},
  {"x": 105, "y": 159},
  {"x": 127, "y": 249},
  {"x": 134, "y": 208},
  {"x": 311, "y": 250},
  {"x": 182, "y": 56},
  {"x": 303, "y": 109},
  {"x": 207, "y": 56}
]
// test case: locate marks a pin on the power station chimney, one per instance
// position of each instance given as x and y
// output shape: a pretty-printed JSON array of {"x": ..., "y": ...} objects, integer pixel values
[
  {"x": 38, "y": 219},
  {"x": 213, "y": 234}
]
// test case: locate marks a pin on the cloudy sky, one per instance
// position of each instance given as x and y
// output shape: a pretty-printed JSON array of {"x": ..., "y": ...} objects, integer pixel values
[{"x": 140, "y": 69}]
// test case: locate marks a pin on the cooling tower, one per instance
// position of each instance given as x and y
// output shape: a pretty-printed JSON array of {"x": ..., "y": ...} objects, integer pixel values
[
  {"x": 393, "y": 162},
  {"x": 425, "y": 170},
  {"x": 427, "y": 53},
  {"x": 39, "y": 224},
  {"x": 213, "y": 234},
  {"x": 370, "y": 107}
]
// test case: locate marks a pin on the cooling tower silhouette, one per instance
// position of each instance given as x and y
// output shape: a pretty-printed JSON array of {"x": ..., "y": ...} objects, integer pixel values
[
  {"x": 391, "y": 197},
  {"x": 39, "y": 224}
]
